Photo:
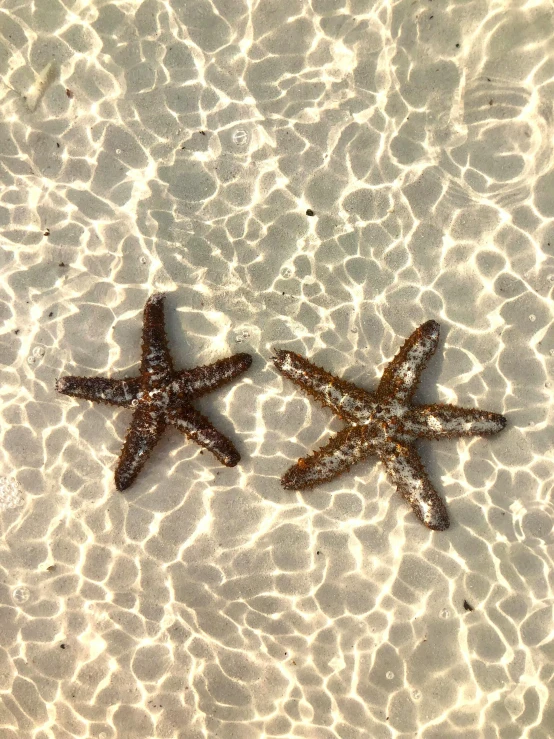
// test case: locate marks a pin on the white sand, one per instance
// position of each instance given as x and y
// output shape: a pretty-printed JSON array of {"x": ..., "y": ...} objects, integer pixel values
[{"x": 176, "y": 147}]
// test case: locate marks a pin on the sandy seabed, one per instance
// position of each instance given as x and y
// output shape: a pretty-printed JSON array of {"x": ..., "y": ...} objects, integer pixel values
[{"x": 320, "y": 176}]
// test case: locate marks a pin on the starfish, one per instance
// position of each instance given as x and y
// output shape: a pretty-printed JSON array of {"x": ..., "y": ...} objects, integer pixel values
[
  {"x": 384, "y": 423},
  {"x": 160, "y": 396}
]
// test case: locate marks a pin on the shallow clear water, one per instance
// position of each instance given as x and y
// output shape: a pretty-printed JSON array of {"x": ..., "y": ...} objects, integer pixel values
[{"x": 177, "y": 147}]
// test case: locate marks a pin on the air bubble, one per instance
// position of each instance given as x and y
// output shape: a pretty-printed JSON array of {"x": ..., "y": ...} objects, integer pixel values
[
  {"x": 134, "y": 403},
  {"x": 11, "y": 495},
  {"x": 104, "y": 622},
  {"x": 21, "y": 594},
  {"x": 240, "y": 137},
  {"x": 118, "y": 151},
  {"x": 241, "y": 336}
]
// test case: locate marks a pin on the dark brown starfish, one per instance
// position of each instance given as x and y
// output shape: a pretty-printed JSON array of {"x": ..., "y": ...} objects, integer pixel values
[
  {"x": 160, "y": 396},
  {"x": 384, "y": 423}
]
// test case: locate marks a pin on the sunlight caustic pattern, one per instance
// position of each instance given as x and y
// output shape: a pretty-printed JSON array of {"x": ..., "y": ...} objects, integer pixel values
[{"x": 316, "y": 177}]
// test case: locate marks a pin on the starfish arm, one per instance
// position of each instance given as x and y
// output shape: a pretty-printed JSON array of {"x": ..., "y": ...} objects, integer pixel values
[
  {"x": 401, "y": 376},
  {"x": 202, "y": 380},
  {"x": 341, "y": 452},
  {"x": 343, "y": 397},
  {"x": 407, "y": 473},
  {"x": 142, "y": 436},
  {"x": 199, "y": 429},
  {"x": 101, "y": 389},
  {"x": 439, "y": 421},
  {"x": 156, "y": 362}
]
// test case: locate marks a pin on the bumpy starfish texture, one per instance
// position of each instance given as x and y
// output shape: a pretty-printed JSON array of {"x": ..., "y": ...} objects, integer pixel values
[
  {"x": 384, "y": 423},
  {"x": 160, "y": 396}
]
